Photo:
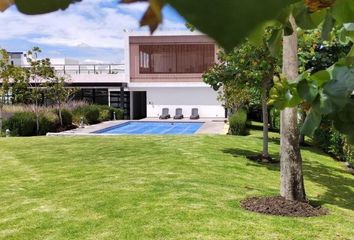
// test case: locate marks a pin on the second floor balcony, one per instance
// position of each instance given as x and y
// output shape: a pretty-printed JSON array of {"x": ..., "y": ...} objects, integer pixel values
[
  {"x": 76, "y": 69},
  {"x": 73, "y": 69}
]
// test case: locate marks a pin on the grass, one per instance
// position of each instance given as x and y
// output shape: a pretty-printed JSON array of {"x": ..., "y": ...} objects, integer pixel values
[{"x": 159, "y": 187}]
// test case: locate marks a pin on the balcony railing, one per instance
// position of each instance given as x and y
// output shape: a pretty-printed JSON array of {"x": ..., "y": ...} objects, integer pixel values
[
  {"x": 73, "y": 69},
  {"x": 90, "y": 68}
]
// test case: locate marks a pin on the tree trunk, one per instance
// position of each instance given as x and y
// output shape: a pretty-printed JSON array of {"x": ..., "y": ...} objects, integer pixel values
[
  {"x": 302, "y": 136},
  {"x": 265, "y": 152},
  {"x": 291, "y": 176},
  {"x": 37, "y": 116},
  {"x": 60, "y": 116}
]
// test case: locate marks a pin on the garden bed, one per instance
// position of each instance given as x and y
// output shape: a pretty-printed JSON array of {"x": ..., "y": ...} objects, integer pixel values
[{"x": 279, "y": 206}]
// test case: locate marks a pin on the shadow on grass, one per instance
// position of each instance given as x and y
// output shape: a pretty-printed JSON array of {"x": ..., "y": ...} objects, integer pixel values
[
  {"x": 238, "y": 152},
  {"x": 260, "y": 128},
  {"x": 274, "y": 140},
  {"x": 338, "y": 183}
]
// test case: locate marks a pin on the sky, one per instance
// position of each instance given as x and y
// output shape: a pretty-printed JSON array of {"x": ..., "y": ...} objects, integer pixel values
[{"x": 91, "y": 31}]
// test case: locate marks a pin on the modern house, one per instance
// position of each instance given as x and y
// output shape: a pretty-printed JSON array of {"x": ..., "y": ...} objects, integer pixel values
[
  {"x": 160, "y": 71},
  {"x": 166, "y": 72}
]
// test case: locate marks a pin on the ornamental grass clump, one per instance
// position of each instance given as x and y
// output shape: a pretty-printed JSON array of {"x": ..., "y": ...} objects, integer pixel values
[{"x": 238, "y": 123}]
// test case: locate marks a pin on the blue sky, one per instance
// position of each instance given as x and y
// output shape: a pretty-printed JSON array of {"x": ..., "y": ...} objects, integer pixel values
[{"x": 90, "y": 31}]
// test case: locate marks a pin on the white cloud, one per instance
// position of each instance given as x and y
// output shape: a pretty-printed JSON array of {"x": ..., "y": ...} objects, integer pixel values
[
  {"x": 83, "y": 24},
  {"x": 90, "y": 31}
]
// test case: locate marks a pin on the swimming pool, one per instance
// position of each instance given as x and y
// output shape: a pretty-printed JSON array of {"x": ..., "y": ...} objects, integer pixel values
[{"x": 135, "y": 127}]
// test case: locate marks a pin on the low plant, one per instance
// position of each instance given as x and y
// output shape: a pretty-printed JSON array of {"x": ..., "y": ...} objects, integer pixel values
[
  {"x": 21, "y": 124},
  {"x": 274, "y": 119},
  {"x": 333, "y": 143},
  {"x": 48, "y": 122},
  {"x": 238, "y": 123},
  {"x": 67, "y": 117},
  {"x": 89, "y": 113},
  {"x": 118, "y": 112}
]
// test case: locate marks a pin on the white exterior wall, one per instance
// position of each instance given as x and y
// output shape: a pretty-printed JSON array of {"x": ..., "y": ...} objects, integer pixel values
[{"x": 203, "y": 98}]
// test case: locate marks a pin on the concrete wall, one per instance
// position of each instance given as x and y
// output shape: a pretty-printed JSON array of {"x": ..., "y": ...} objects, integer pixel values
[{"x": 203, "y": 98}]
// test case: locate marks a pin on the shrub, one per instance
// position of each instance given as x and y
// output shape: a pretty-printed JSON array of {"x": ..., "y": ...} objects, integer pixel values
[
  {"x": 21, "y": 124},
  {"x": 67, "y": 117},
  {"x": 274, "y": 119},
  {"x": 107, "y": 113},
  {"x": 90, "y": 113},
  {"x": 119, "y": 113},
  {"x": 349, "y": 152},
  {"x": 238, "y": 123},
  {"x": 48, "y": 122},
  {"x": 332, "y": 142}
]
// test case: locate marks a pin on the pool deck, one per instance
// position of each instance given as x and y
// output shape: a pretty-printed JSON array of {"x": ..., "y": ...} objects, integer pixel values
[{"x": 210, "y": 126}]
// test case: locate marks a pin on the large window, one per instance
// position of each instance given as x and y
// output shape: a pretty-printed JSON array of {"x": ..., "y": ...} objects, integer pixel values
[
  {"x": 92, "y": 95},
  {"x": 181, "y": 58}
]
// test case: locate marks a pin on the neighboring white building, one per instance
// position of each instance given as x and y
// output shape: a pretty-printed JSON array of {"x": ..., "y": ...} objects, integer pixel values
[{"x": 17, "y": 58}]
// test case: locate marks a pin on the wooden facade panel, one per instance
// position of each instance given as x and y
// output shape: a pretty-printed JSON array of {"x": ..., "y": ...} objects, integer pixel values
[{"x": 175, "y": 58}]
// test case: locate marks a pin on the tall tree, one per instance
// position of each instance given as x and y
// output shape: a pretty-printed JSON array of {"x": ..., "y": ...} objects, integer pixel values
[
  {"x": 40, "y": 72},
  {"x": 291, "y": 182},
  {"x": 59, "y": 93},
  {"x": 245, "y": 74}
]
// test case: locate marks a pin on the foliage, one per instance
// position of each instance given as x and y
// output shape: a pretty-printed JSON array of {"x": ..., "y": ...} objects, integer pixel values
[
  {"x": 89, "y": 113},
  {"x": 275, "y": 118},
  {"x": 325, "y": 86},
  {"x": 37, "y": 6},
  {"x": 238, "y": 122},
  {"x": 21, "y": 124},
  {"x": 107, "y": 113},
  {"x": 327, "y": 93},
  {"x": 39, "y": 73},
  {"x": 118, "y": 112},
  {"x": 332, "y": 142},
  {"x": 315, "y": 54},
  {"x": 67, "y": 117},
  {"x": 48, "y": 122},
  {"x": 59, "y": 93},
  {"x": 5, "y": 74},
  {"x": 349, "y": 152},
  {"x": 239, "y": 74},
  {"x": 20, "y": 90}
]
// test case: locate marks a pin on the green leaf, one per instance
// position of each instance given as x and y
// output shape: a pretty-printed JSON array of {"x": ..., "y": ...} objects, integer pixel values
[
  {"x": 307, "y": 90},
  {"x": 327, "y": 26},
  {"x": 343, "y": 11},
  {"x": 275, "y": 42},
  {"x": 323, "y": 104},
  {"x": 228, "y": 22},
  {"x": 351, "y": 52},
  {"x": 312, "y": 121},
  {"x": 305, "y": 19},
  {"x": 321, "y": 77},
  {"x": 33, "y": 7},
  {"x": 344, "y": 75}
]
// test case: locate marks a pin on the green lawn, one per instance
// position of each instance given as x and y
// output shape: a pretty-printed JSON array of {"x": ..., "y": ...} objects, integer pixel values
[{"x": 174, "y": 187}]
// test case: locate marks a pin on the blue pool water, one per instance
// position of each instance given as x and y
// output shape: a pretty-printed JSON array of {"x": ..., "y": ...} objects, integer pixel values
[{"x": 134, "y": 127}]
